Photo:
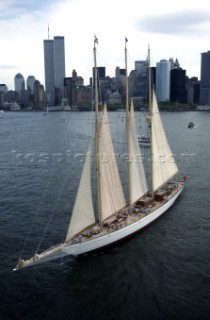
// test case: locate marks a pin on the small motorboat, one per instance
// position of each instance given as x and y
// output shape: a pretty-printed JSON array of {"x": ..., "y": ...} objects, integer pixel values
[
  {"x": 191, "y": 124},
  {"x": 144, "y": 141}
]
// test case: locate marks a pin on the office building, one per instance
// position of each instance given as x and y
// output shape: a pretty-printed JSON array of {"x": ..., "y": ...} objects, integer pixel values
[
  {"x": 30, "y": 84},
  {"x": 19, "y": 82},
  {"x": 205, "y": 79},
  {"x": 141, "y": 74},
  {"x": 54, "y": 65},
  {"x": 3, "y": 92},
  {"x": 20, "y": 86},
  {"x": 178, "y": 92},
  {"x": 163, "y": 80}
]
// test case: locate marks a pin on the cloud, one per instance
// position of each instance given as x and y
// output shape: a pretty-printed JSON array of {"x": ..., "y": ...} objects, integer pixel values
[
  {"x": 181, "y": 22},
  {"x": 6, "y": 67}
]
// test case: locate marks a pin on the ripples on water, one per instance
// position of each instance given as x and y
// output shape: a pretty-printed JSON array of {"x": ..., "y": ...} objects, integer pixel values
[{"x": 161, "y": 273}]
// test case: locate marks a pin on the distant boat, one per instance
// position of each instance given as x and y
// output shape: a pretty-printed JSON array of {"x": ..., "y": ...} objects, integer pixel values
[
  {"x": 46, "y": 111},
  {"x": 114, "y": 218},
  {"x": 63, "y": 116},
  {"x": 1, "y": 113},
  {"x": 191, "y": 124},
  {"x": 144, "y": 141}
]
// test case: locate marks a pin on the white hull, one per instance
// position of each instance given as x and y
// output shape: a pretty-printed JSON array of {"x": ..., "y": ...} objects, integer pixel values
[
  {"x": 100, "y": 242},
  {"x": 115, "y": 236}
]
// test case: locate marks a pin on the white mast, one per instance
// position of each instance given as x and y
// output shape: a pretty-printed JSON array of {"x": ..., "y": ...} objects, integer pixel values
[
  {"x": 127, "y": 123},
  {"x": 149, "y": 118},
  {"x": 97, "y": 131}
]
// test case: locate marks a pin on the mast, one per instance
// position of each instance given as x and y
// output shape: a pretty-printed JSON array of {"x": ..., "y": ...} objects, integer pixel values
[
  {"x": 149, "y": 84},
  {"x": 97, "y": 135},
  {"x": 127, "y": 123},
  {"x": 149, "y": 119}
]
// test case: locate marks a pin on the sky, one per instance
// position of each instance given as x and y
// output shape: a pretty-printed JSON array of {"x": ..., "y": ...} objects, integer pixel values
[{"x": 178, "y": 29}]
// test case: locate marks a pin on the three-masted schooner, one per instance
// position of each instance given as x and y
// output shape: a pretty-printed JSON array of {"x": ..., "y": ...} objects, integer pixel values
[{"x": 116, "y": 218}]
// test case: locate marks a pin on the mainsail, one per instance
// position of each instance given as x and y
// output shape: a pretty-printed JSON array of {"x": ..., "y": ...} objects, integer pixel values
[
  {"x": 138, "y": 184},
  {"x": 112, "y": 197},
  {"x": 163, "y": 163},
  {"x": 83, "y": 211}
]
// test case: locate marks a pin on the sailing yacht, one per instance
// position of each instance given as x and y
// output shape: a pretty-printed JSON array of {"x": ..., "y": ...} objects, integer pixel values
[{"x": 117, "y": 218}]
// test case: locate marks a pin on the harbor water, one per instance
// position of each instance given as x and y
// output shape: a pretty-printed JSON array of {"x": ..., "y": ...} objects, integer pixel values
[{"x": 162, "y": 273}]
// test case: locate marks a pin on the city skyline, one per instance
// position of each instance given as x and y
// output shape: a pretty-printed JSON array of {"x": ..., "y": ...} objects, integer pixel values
[{"x": 173, "y": 29}]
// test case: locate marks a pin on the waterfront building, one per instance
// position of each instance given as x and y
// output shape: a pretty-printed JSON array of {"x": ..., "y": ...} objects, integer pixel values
[
  {"x": 39, "y": 95},
  {"x": 3, "y": 88},
  {"x": 141, "y": 73},
  {"x": 153, "y": 76},
  {"x": 3, "y": 92},
  {"x": 120, "y": 80},
  {"x": 163, "y": 80},
  {"x": 193, "y": 90},
  {"x": 20, "y": 86},
  {"x": 73, "y": 87},
  {"x": 19, "y": 83},
  {"x": 30, "y": 84},
  {"x": 178, "y": 92},
  {"x": 54, "y": 65},
  {"x": 101, "y": 74},
  {"x": 205, "y": 79}
]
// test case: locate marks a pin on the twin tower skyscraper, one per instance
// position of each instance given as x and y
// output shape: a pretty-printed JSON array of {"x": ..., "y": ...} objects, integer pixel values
[{"x": 54, "y": 66}]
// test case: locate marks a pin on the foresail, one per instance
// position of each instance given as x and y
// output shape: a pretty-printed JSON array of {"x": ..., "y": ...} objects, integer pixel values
[
  {"x": 112, "y": 197},
  {"x": 163, "y": 163},
  {"x": 138, "y": 181},
  {"x": 83, "y": 211}
]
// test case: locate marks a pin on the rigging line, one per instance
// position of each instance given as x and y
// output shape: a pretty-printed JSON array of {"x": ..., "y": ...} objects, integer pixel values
[
  {"x": 38, "y": 209},
  {"x": 57, "y": 201},
  {"x": 53, "y": 212},
  {"x": 37, "y": 213}
]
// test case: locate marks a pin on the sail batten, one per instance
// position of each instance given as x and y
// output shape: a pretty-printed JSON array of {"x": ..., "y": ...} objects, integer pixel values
[
  {"x": 83, "y": 212},
  {"x": 112, "y": 196},
  {"x": 138, "y": 183},
  {"x": 164, "y": 166}
]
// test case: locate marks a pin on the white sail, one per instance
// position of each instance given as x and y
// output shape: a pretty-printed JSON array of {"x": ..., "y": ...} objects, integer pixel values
[
  {"x": 112, "y": 197},
  {"x": 138, "y": 181},
  {"x": 83, "y": 211},
  {"x": 163, "y": 163}
]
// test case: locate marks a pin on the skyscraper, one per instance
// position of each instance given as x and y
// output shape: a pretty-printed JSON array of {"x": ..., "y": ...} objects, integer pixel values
[
  {"x": 54, "y": 63},
  {"x": 30, "y": 84},
  {"x": 205, "y": 79},
  {"x": 20, "y": 85},
  {"x": 178, "y": 92},
  {"x": 19, "y": 82},
  {"x": 141, "y": 68},
  {"x": 163, "y": 80}
]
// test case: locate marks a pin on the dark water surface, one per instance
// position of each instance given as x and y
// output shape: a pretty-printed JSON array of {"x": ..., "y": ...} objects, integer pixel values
[{"x": 161, "y": 273}]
